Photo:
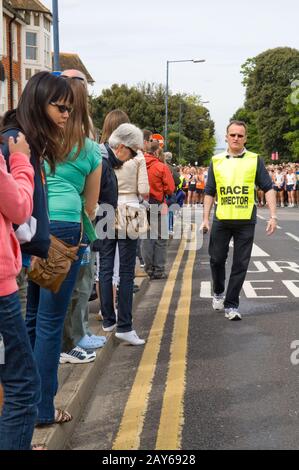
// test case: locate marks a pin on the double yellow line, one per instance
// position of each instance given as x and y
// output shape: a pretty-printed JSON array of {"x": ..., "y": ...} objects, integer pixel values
[{"x": 171, "y": 421}]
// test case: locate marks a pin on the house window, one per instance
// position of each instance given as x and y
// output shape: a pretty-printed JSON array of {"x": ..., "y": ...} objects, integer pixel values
[
  {"x": 27, "y": 17},
  {"x": 3, "y": 97},
  {"x": 47, "y": 24},
  {"x": 31, "y": 46},
  {"x": 36, "y": 20},
  {"x": 4, "y": 37},
  {"x": 47, "y": 50},
  {"x": 28, "y": 74},
  {"x": 37, "y": 71},
  {"x": 15, "y": 94},
  {"x": 14, "y": 31}
]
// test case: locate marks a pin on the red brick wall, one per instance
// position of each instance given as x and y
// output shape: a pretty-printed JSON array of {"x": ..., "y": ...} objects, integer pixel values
[{"x": 17, "y": 66}]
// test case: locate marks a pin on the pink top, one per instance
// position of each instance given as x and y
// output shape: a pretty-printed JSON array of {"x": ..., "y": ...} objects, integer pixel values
[{"x": 16, "y": 204}]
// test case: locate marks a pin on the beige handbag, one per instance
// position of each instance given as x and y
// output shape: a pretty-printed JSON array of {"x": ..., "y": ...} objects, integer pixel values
[{"x": 131, "y": 220}]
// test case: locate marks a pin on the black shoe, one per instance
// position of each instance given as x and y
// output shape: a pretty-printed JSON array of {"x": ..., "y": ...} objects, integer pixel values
[
  {"x": 93, "y": 295},
  {"x": 157, "y": 276}
]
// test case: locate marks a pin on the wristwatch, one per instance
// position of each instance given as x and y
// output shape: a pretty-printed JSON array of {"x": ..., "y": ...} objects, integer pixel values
[{"x": 273, "y": 217}]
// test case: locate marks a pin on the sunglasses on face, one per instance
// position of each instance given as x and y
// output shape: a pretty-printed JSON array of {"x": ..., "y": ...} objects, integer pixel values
[
  {"x": 62, "y": 108},
  {"x": 240, "y": 136},
  {"x": 133, "y": 153}
]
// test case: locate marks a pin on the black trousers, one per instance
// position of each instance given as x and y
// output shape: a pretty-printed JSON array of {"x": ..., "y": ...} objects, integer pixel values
[{"x": 221, "y": 235}]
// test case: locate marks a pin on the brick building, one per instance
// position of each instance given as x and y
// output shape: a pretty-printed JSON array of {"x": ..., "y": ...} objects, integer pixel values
[{"x": 26, "y": 47}]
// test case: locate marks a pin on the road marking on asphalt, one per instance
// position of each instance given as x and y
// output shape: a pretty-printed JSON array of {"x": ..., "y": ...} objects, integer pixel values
[
  {"x": 172, "y": 414},
  {"x": 257, "y": 252},
  {"x": 250, "y": 290},
  {"x": 292, "y": 236},
  {"x": 206, "y": 290},
  {"x": 261, "y": 217},
  {"x": 291, "y": 285},
  {"x": 131, "y": 426}
]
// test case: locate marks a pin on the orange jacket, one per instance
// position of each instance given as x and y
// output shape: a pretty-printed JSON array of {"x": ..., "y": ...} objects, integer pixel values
[{"x": 160, "y": 178}]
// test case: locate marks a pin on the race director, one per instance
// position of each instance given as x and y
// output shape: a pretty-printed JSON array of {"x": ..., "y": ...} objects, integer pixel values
[{"x": 232, "y": 180}]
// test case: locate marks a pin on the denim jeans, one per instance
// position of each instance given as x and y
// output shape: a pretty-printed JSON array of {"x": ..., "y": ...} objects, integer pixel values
[
  {"x": 76, "y": 321},
  {"x": 45, "y": 318},
  {"x": 19, "y": 378},
  {"x": 127, "y": 257}
]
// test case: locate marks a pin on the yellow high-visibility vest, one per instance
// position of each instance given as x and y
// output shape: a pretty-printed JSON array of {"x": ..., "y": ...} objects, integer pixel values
[{"x": 235, "y": 185}]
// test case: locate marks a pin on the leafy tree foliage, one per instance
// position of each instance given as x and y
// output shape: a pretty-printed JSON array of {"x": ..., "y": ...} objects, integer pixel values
[
  {"x": 268, "y": 78},
  {"x": 190, "y": 132}
]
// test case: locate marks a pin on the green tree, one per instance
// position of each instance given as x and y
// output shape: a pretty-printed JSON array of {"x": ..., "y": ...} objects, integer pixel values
[
  {"x": 268, "y": 78},
  {"x": 292, "y": 136},
  {"x": 145, "y": 105}
]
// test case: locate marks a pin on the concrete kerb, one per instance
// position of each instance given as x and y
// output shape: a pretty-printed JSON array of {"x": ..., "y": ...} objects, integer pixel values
[{"x": 76, "y": 390}]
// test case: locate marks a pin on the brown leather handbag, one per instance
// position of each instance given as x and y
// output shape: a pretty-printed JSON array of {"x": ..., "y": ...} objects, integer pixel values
[{"x": 51, "y": 272}]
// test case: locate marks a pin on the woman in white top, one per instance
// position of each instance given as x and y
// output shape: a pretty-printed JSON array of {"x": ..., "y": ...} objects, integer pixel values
[
  {"x": 279, "y": 183},
  {"x": 133, "y": 187},
  {"x": 291, "y": 186}
]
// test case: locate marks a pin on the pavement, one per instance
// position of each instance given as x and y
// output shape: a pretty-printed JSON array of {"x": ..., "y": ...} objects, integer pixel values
[{"x": 77, "y": 381}]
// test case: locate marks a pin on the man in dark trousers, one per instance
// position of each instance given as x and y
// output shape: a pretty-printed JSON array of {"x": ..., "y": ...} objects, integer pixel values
[
  {"x": 232, "y": 180},
  {"x": 154, "y": 248}
]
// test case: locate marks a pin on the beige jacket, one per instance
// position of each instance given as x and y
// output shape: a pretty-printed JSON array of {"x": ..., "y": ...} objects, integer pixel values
[{"x": 132, "y": 179}]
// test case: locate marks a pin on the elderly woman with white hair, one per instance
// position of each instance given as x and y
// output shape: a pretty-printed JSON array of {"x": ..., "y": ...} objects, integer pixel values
[{"x": 124, "y": 144}]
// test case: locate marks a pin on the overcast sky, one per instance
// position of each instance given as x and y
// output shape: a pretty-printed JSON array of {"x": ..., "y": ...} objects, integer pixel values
[{"x": 129, "y": 41}]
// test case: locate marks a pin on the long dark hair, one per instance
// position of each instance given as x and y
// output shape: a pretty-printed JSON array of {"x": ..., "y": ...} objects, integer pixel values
[
  {"x": 79, "y": 125},
  {"x": 31, "y": 117}
]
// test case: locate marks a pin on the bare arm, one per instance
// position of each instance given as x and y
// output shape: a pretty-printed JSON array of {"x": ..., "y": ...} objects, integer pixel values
[
  {"x": 92, "y": 191},
  {"x": 208, "y": 204},
  {"x": 271, "y": 201}
]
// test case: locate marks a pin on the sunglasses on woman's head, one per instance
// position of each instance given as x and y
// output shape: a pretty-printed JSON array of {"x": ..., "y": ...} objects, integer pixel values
[{"x": 73, "y": 78}]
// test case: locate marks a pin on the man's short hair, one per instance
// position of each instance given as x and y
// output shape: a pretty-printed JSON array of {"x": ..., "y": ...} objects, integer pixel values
[
  {"x": 147, "y": 134},
  {"x": 237, "y": 123},
  {"x": 168, "y": 156}
]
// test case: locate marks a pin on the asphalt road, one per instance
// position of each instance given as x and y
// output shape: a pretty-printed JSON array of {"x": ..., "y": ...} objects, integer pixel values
[{"x": 201, "y": 381}]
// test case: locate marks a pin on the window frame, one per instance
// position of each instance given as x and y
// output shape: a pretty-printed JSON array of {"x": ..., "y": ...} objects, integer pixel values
[{"x": 35, "y": 48}]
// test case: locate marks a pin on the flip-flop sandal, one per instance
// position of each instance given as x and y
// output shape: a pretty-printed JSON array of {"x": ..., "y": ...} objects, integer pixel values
[
  {"x": 62, "y": 416},
  {"x": 39, "y": 447}
]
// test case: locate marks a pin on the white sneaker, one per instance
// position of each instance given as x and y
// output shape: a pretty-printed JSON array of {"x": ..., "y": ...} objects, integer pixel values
[
  {"x": 77, "y": 356},
  {"x": 130, "y": 337},
  {"x": 109, "y": 328},
  {"x": 218, "y": 302},
  {"x": 233, "y": 314},
  {"x": 282, "y": 204}
]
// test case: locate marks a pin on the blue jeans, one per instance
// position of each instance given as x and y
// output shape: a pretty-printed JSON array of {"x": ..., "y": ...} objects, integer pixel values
[
  {"x": 45, "y": 318},
  {"x": 127, "y": 259},
  {"x": 19, "y": 378}
]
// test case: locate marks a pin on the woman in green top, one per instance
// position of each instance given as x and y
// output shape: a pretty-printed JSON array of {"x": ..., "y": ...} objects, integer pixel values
[{"x": 73, "y": 191}]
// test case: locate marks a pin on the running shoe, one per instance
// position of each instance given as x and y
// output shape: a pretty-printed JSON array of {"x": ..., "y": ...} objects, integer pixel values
[
  {"x": 218, "y": 301},
  {"x": 233, "y": 314},
  {"x": 77, "y": 356}
]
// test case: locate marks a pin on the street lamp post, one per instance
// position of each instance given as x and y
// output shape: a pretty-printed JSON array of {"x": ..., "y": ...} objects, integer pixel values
[
  {"x": 180, "y": 123},
  {"x": 195, "y": 61},
  {"x": 56, "y": 35}
]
